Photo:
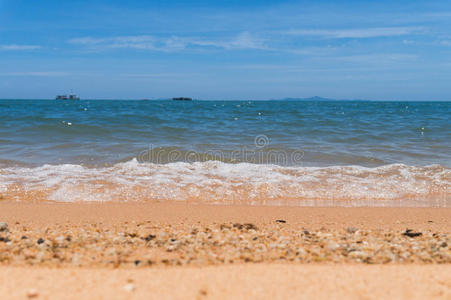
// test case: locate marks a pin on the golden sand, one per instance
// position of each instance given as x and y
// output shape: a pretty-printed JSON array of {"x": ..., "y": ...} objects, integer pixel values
[
  {"x": 249, "y": 281},
  {"x": 91, "y": 240}
]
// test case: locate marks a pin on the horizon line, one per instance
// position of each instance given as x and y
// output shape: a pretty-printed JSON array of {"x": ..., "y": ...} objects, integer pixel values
[{"x": 290, "y": 99}]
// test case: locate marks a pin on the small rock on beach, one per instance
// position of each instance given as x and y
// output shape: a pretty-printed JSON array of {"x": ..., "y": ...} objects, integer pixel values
[
  {"x": 32, "y": 293},
  {"x": 3, "y": 227}
]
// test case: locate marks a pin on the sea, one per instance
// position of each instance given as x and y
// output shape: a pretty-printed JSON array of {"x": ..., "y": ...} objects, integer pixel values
[{"x": 295, "y": 153}]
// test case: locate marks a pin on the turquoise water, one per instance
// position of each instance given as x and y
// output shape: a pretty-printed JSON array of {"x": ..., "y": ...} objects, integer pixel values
[
  {"x": 227, "y": 151},
  {"x": 325, "y": 133}
]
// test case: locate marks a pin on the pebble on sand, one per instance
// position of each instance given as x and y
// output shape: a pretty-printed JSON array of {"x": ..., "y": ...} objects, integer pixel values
[
  {"x": 3, "y": 227},
  {"x": 352, "y": 230},
  {"x": 333, "y": 246},
  {"x": 32, "y": 293},
  {"x": 213, "y": 244},
  {"x": 129, "y": 287},
  {"x": 411, "y": 233}
]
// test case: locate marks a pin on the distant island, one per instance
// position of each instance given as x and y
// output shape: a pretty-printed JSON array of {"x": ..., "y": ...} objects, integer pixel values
[{"x": 182, "y": 99}]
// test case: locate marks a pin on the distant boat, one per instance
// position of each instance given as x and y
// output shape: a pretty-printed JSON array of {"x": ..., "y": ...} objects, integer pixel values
[
  {"x": 182, "y": 99},
  {"x": 65, "y": 97}
]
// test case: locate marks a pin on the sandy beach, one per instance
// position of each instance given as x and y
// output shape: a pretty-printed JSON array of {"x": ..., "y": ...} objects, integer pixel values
[
  {"x": 253, "y": 281},
  {"x": 225, "y": 150},
  {"x": 162, "y": 250}
]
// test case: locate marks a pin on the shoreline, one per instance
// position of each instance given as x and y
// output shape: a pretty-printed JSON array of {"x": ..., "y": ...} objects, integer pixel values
[{"x": 43, "y": 214}]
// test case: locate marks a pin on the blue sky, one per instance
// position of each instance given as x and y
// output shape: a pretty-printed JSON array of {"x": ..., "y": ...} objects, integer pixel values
[{"x": 390, "y": 50}]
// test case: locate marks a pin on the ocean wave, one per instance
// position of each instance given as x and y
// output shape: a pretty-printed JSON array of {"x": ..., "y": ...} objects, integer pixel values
[{"x": 216, "y": 182}]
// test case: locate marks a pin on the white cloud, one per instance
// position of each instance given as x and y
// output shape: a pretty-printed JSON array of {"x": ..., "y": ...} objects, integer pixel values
[
  {"x": 35, "y": 74},
  {"x": 445, "y": 42},
  {"x": 143, "y": 42},
  {"x": 378, "y": 58},
  {"x": 408, "y": 42},
  {"x": 15, "y": 47},
  {"x": 243, "y": 41},
  {"x": 174, "y": 43},
  {"x": 355, "y": 33},
  {"x": 154, "y": 75},
  {"x": 140, "y": 42}
]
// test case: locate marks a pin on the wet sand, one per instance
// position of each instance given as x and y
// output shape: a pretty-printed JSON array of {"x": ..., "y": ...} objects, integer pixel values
[
  {"x": 46, "y": 214},
  {"x": 160, "y": 250}
]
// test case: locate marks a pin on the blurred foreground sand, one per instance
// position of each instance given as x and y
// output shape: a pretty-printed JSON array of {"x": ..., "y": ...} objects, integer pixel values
[{"x": 178, "y": 251}]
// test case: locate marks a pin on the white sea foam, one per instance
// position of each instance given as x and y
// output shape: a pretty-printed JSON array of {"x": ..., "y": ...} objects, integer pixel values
[{"x": 223, "y": 183}]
